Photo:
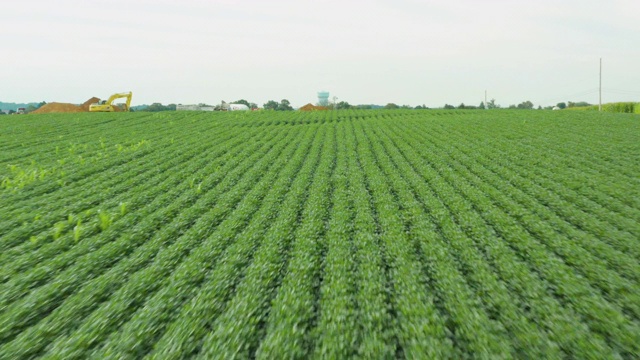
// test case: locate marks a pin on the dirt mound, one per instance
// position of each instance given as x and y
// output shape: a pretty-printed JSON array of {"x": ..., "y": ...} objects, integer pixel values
[
  {"x": 311, "y": 107},
  {"x": 86, "y": 104},
  {"x": 55, "y": 107}
]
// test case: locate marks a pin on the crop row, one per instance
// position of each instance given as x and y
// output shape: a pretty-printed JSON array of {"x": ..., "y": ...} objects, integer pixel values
[
  {"x": 336, "y": 234},
  {"x": 88, "y": 268}
]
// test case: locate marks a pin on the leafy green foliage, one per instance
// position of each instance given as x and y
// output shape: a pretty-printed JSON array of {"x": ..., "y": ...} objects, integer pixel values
[{"x": 340, "y": 234}]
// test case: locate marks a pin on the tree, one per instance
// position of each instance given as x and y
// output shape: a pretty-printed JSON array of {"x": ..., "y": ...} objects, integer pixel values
[
  {"x": 30, "y": 108},
  {"x": 525, "y": 105},
  {"x": 270, "y": 105},
  {"x": 447, "y": 106},
  {"x": 284, "y": 105},
  {"x": 343, "y": 105},
  {"x": 481, "y": 106},
  {"x": 421, "y": 107},
  {"x": 461, "y": 106},
  {"x": 159, "y": 107},
  {"x": 492, "y": 104},
  {"x": 561, "y": 105},
  {"x": 391, "y": 106},
  {"x": 571, "y": 104},
  {"x": 155, "y": 107},
  {"x": 253, "y": 106}
]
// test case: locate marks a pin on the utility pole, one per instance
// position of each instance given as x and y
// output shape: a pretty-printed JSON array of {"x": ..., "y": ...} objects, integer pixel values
[
  {"x": 486, "y": 106},
  {"x": 600, "y": 87}
]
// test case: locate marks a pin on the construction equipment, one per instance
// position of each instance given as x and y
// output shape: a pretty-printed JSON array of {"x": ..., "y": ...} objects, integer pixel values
[{"x": 107, "y": 105}]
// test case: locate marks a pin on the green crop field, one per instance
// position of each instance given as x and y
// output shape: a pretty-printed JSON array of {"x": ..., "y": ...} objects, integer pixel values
[{"x": 350, "y": 234}]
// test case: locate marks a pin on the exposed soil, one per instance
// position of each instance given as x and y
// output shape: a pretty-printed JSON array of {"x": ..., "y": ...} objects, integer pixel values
[
  {"x": 311, "y": 107},
  {"x": 56, "y": 107}
]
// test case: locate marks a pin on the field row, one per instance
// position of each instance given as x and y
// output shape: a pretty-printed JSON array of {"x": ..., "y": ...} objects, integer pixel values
[{"x": 370, "y": 234}]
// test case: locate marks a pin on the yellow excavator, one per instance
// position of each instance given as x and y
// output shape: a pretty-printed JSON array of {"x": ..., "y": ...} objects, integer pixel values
[{"x": 107, "y": 105}]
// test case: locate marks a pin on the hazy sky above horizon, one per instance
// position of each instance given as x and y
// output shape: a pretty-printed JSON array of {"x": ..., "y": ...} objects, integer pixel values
[{"x": 402, "y": 51}]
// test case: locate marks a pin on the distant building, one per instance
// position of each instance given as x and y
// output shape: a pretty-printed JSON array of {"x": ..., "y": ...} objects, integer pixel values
[{"x": 199, "y": 107}]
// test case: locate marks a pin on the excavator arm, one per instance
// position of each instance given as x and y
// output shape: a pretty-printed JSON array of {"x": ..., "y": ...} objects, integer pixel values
[
  {"x": 108, "y": 105},
  {"x": 120, "y": 96}
]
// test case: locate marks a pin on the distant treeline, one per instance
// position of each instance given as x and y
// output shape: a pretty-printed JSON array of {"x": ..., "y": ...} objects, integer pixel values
[
  {"x": 15, "y": 106},
  {"x": 619, "y": 107}
]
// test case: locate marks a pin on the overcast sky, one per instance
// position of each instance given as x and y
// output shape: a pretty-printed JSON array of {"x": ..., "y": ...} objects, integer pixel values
[{"x": 402, "y": 51}]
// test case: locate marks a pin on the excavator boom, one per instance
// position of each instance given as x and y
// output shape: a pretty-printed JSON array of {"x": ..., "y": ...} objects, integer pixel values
[{"x": 107, "y": 106}]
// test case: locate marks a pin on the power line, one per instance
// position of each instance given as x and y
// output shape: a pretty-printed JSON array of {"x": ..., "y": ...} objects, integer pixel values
[
  {"x": 565, "y": 97},
  {"x": 620, "y": 91}
]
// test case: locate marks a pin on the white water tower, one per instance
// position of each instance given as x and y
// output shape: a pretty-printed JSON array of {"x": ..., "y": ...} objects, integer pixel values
[{"x": 323, "y": 98}]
